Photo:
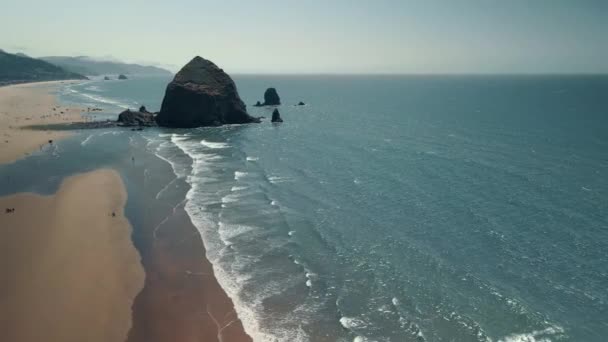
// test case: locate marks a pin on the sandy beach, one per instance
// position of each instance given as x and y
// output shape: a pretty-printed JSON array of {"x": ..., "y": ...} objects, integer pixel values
[
  {"x": 78, "y": 273},
  {"x": 29, "y": 104},
  {"x": 70, "y": 270}
]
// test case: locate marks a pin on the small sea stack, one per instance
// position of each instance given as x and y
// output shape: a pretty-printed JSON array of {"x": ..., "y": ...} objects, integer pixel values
[
  {"x": 122, "y": 77},
  {"x": 130, "y": 118},
  {"x": 202, "y": 94},
  {"x": 276, "y": 116},
  {"x": 106, "y": 78},
  {"x": 271, "y": 97},
  {"x": 301, "y": 104}
]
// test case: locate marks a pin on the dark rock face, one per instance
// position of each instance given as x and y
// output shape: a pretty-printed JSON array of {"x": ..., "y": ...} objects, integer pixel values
[
  {"x": 257, "y": 104},
  {"x": 122, "y": 77},
  {"x": 201, "y": 94},
  {"x": 276, "y": 116},
  {"x": 301, "y": 103},
  {"x": 271, "y": 97},
  {"x": 131, "y": 118}
]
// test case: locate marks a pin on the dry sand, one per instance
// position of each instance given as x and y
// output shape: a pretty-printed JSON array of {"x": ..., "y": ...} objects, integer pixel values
[
  {"x": 69, "y": 269},
  {"x": 29, "y": 104}
]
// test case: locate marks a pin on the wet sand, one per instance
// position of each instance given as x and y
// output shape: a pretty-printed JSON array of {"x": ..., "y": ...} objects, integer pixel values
[
  {"x": 29, "y": 104},
  {"x": 70, "y": 271},
  {"x": 181, "y": 299}
]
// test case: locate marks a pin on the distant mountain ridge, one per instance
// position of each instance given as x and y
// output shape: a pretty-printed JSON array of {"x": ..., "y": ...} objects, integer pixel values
[
  {"x": 20, "y": 68},
  {"x": 93, "y": 67}
]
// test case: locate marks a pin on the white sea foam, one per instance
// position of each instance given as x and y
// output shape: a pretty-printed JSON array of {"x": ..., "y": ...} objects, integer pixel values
[
  {"x": 277, "y": 179},
  {"x": 239, "y": 188},
  {"x": 309, "y": 279},
  {"x": 535, "y": 336},
  {"x": 361, "y": 339},
  {"x": 352, "y": 322},
  {"x": 229, "y": 232},
  {"x": 273, "y": 203},
  {"x": 93, "y": 88},
  {"x": 253, "y": 158},
  {"x": 165, "y": 188},
  {"x": 214, "y": 145},
  {"x": 101, "y": 99},
  {"x": 230, "y": 199},
  {"x": 291, "y": 232},
  {"x": 239, "y": 175},
  {"x": 86, "y": 141}
]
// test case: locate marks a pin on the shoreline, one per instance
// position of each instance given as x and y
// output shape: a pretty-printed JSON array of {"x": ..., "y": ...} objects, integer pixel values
[
  {"x": 32, "y": 104},
  {"x": 72, "y": 269},
  {"x": 180, "y": 298}
]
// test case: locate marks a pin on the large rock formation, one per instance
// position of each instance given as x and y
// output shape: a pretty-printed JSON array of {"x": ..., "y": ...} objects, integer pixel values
[
  {"x": 201, "y": 94},
  {"x": 133, "y": 118},
  {"x": 276, "y": 116},
  {"x": 271, "y": 97}
]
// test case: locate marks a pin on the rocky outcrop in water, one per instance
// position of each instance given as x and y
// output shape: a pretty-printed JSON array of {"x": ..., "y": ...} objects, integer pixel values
[
  {"x": 258, "y": 104},
  {"x": 122, "y": 77},
  {"x": 106, "y": 78},
  {"x": 276, "y": 116},
  {"x": 271, "y": 97},
  {"x": 201, "y": 94},
  {"x": 301, "y": 103},
  {"x": 133, "y": 118}
]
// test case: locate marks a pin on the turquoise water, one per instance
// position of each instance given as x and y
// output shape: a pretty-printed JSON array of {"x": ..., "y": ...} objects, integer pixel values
[{"x": 387, "y": 208}]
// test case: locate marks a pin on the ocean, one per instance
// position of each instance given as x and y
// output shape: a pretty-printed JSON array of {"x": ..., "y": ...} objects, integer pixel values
[{"x": 388, "y": 208}]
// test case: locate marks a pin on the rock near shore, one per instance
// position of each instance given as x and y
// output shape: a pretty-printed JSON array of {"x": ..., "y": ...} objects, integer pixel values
[
  {"x": 202, "y": 94},
  {"x": 133, "y": 118},
  {"x": 276, "y": 116},
  {"x": 271, "y": 97}
]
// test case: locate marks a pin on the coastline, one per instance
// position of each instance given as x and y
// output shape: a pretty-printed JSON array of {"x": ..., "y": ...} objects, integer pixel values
[
  {"x": 27, "y": 104},
  {"x": 181, "y": 299},
  {"x": 71, "y": 268},
  {"x": 178, "y": 299}
]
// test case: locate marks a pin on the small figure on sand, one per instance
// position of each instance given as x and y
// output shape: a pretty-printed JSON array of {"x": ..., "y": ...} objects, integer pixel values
[
  {"x": 9, "y": 210},
  {"x": 113, "y": 214},
  {"x": 51, "y": 141}
]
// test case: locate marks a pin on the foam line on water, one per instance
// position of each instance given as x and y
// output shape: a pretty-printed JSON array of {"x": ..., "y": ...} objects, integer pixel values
[
  {"x": 214, "y": 145},
  {"x": 101, "y": 99}
]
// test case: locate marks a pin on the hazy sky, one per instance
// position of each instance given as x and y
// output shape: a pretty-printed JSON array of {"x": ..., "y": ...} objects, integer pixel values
[{"x": 320, "y": 36}]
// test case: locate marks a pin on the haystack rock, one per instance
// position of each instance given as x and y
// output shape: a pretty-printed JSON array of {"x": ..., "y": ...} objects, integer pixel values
[
  {"x": 271, "y": 97},
  {"x": 276, "y": 116},
  {"x": 201, "y": 94}
]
